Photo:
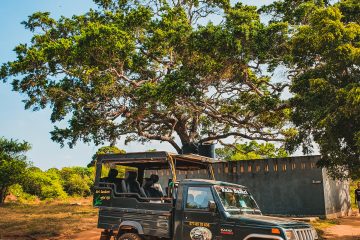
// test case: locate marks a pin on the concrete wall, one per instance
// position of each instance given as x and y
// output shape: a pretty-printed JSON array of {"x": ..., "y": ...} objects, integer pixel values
[
  {"x": 287, "y": 186},
  {"x": 337, "y": 197},
  {"x": 291, "y": 186}
]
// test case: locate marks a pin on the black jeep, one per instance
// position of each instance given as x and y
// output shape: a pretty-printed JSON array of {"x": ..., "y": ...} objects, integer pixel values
[{"x": 140, "y": 197}]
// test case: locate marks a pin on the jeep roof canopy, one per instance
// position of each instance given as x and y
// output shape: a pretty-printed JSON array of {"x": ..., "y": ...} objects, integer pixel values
[{"x": 160, "y": 160}]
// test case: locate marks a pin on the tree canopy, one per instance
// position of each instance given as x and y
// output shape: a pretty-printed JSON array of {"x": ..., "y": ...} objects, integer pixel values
[
  {"x": 324, "y": 59},
  {"x": 12, "y": 164},
  {"x": 155, "y": 71},
  {"x": 190, "y": 72}
]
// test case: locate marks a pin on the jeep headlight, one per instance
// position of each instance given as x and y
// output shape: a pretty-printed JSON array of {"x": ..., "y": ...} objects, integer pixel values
[
  {"x": 314, "y": 233},
  {"x": 290, "y": 235}
]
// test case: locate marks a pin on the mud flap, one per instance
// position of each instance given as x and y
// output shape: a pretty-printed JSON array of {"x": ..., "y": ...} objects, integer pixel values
[{"x": 106, "y": 235}]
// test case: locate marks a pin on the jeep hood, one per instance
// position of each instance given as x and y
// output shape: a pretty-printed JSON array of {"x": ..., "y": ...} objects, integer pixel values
[{"x": 250, "y": 219}]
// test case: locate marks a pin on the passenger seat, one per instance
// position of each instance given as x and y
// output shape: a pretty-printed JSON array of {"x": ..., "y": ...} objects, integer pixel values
[{"x": 132, "y": 185}]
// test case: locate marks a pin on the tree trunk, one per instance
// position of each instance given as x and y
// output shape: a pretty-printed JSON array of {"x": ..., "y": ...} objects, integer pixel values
[{"x": 3, "y": 193}]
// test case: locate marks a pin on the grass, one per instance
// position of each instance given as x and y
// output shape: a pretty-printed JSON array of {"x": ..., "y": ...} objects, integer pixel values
[
  {"x": 55, "y": 220},
  {"x": 321, "y": 225}
]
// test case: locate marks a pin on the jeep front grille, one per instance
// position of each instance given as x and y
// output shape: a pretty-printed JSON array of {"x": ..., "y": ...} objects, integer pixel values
[{"x": 303, "y": 234}]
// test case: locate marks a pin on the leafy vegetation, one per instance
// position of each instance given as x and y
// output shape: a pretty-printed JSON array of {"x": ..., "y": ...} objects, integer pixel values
[
  {"x": 251, "y": 150},
  {"x": 105, "y": 150},
  {"x": 324, "y": 59},
  {"x": 55, "y": 184},
  {"x": 77, "y": 181},
  {"x": 155, "y": 72},
  {"x": 12, "y": 164},
  {"x": 164, "y": 71},
  {"x": 26, "y": 182},
  {"x": 43, "y": 184}
]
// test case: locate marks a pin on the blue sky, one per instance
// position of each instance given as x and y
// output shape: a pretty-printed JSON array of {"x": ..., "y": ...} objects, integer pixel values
[
  {"x": 34, "y": 127},
  {"x": 15, "y": 122}
]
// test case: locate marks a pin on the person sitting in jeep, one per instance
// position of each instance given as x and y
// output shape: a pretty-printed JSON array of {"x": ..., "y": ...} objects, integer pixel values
[
  {"x": 150, "y": 189},
  {"x": 112, "y": 178}
]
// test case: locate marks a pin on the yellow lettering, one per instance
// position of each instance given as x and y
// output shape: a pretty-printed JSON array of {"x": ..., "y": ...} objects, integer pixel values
[{"x": 199, "y": 224}]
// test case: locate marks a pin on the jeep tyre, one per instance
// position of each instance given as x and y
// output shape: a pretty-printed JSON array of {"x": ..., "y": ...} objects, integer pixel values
[{"x": 129, "y": 236}]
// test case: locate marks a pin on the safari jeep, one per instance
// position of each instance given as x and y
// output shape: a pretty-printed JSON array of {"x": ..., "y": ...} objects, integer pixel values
[{"x": 140, "y": 197}]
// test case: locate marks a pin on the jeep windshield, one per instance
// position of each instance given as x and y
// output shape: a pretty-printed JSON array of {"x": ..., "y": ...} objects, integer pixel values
[{"x": 237, "y": 200}]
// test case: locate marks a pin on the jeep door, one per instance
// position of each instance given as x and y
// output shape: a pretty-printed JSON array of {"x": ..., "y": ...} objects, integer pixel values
[{"x": 198, "y": 221}]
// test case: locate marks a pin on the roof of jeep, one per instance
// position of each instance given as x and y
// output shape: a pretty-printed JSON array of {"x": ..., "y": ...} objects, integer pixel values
[
  {"x": 158, "y": 160},
  {"x": 209, "y": 182}
]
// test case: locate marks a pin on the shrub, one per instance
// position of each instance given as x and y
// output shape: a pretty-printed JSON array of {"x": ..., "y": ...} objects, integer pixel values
[
  {"x": 77, "y": 181},
  {"x": 52, "y": 191},
  {"x": 20, "y": 195},
  {"x": 43, "y": 184},
  {"x": 77, "y": 186}
]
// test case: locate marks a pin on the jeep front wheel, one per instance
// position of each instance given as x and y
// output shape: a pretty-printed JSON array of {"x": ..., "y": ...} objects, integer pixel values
[{"x": 129, "y": 236}]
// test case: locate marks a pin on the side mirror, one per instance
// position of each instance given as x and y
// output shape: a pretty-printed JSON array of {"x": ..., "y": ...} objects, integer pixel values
[{"x": 212, "y": 206}]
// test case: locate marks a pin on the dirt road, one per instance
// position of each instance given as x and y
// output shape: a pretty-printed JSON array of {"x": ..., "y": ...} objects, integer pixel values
[
  {"x": 93, "y": 234},
  {"x": 347, "y": 229}
]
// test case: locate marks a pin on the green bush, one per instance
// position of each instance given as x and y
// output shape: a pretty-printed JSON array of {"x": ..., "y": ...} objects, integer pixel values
[
  {"x": 77, "y": 186},
  {"x": 20, "y": 195},
  {"x": 77, "y": 181},
  {"x": 55, "y": 183},
  {"x": 45, "y": 185},
  {"x": 53, "y": 191}
]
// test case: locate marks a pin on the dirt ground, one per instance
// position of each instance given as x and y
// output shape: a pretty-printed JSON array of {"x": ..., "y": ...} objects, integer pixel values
[
  {"x": 93, "y": 234},
  {"x": 347, "y": 229},
  {"x": 46, "y": 220},
  {"x": 68, "y": 221}
]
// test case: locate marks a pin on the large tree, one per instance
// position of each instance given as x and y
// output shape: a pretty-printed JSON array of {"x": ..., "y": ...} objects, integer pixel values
[
  {"x": 12, "y": 164},
  {"x": 325, "y": 72},
  {"x": 155, "y": 70}
]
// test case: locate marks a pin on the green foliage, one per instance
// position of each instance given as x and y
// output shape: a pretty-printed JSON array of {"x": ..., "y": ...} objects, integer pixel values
[
  {"x": 77, "y": 181},
  {"x": 45, "y": 185},
  {"x": 20, "y": 195},
  {"x": 12, "y": 164},
  {"x": 28, "y": 183},
  {"x": 105, "y": 150},
  {"x": 59, "y": 184},
  {"x": 324, "y": 58},
  {"x": 155, "y": 72},
  {"x": 251, "y": 150},
  {"x": 293, "y": 12},
  {"x": 109, "y": 150},
  {"x": 13, "y": 149}
]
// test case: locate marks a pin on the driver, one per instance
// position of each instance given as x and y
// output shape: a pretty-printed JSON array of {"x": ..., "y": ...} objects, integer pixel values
[{"x": 230, "y": 199}]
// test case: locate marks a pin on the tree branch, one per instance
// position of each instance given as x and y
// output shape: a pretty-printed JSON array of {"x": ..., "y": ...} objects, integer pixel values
[
  {"x": 161, "y": 138},
  {"x": 222, "y": 136}
]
